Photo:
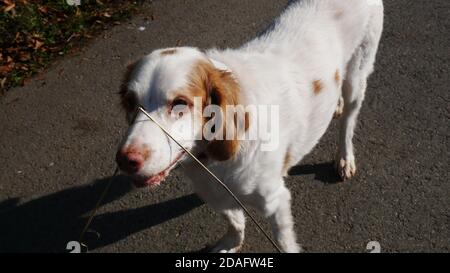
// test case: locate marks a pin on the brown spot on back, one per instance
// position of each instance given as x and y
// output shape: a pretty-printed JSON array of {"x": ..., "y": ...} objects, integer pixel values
[
  {"x": 337, "y": 77},
  {"x": 317, "y": 86},
  {"x": 338, "y": 15},
  {"x": 170, "y": 51}
]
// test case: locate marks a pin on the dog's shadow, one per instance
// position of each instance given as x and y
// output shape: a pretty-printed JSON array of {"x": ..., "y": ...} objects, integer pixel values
[
  {"x": 48, "y": 223},
  {"x": 323, "y": 172}
]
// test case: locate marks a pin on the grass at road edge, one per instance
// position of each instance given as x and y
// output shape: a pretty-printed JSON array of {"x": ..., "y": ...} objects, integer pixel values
[{"x": 36, "y": 32}]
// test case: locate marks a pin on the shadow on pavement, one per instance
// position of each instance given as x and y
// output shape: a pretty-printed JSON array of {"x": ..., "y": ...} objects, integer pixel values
[
  {"x": 323, "y": 172},
  {"x": 47, "y": 223}
]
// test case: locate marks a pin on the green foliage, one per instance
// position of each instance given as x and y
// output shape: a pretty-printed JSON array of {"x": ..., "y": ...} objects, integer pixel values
[{"x": 33, "y": 33}]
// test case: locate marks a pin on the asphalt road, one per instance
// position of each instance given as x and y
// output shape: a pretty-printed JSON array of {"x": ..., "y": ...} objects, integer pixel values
[{"x": 59, "y": 134}]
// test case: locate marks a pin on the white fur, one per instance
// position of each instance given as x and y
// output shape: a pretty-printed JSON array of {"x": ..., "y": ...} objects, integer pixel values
[{"x": 309, "y": 41}]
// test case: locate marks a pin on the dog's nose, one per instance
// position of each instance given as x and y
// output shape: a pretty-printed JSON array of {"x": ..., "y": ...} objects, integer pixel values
[{"x": 130, "y": 161}]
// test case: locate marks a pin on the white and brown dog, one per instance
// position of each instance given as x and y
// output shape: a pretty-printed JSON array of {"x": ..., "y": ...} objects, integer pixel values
[{"x": 313, "y": 62}]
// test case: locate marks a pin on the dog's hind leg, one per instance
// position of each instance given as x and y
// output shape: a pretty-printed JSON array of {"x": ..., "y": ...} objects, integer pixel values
[
  {"x": 232, "y": 241},
  {"x": 353, "y": 90}
]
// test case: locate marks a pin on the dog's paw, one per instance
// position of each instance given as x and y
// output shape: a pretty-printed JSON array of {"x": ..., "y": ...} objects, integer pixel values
[
  {"x": 223, "y": 248},
  {"x": 339, "y": 108},
  {"x": 346, "y": 167},
  {"x": 292, "y": 248}
]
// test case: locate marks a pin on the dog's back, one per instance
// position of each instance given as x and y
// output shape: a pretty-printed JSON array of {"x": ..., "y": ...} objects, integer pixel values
[
  {"x": 307, "y": 21},
  {"x": 300, "y": 63}
]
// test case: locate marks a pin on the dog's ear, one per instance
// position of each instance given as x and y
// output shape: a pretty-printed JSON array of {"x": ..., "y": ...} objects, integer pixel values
[
  {"x": 128, "y": 99},
  {"x": 223, "y": 91}
]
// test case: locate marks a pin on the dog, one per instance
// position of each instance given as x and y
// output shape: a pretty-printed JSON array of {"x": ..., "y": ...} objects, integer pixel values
[{"x": 312, "y": 63}]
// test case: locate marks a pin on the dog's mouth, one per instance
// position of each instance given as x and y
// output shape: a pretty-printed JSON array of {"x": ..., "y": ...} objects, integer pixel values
[{"x": 155, "y": 180}]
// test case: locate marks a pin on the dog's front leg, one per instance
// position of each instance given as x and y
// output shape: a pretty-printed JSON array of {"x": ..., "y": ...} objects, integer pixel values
[
  {"x": 232, "y": 241},
  {"x": 277, "y": 208}
]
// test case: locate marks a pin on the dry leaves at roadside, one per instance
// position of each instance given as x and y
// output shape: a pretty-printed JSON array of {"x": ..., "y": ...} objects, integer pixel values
[{"x": 34, "y": 33}]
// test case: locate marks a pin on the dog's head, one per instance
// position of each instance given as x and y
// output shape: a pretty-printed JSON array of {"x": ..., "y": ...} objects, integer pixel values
[{"x": 175, "y": 86}]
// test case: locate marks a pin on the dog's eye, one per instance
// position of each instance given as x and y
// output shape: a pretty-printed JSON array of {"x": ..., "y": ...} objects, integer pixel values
[
  {"x": 179, "y": 102},
  {"x": 179, "y": 106}
]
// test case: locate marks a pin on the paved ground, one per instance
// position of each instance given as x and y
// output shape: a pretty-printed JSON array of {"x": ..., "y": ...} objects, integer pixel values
[{"x": 59, "y": 133}]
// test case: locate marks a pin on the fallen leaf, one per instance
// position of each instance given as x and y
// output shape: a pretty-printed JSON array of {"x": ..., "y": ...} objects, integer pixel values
[
  {"x": 37, "y": 44},
  {"x": 71, "y": 36},
  {"x": 43, "y": 9},
  {"x": 9, "y": 7},
  {"x": 12, "y": 49},
  {"x": 24, "y": 56},
  {"x": 6, "y": 68},
  {"x": 36, "y": 35}
]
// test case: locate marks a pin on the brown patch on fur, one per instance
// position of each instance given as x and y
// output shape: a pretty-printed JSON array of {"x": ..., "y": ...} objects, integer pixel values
[
  {"x": 338, "y": 15},
  {"x": 246, "y": 120},
  {"x": 337, "y": 77},
  {"x": 286, "y": 162},
  {"x": 146, "y": 152},
  {"x": 198, "y": 84},
  {"x": 218, "y": 88},
  {"x": 170, "y": 51},
  {"x": 317, "y": 86}
]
